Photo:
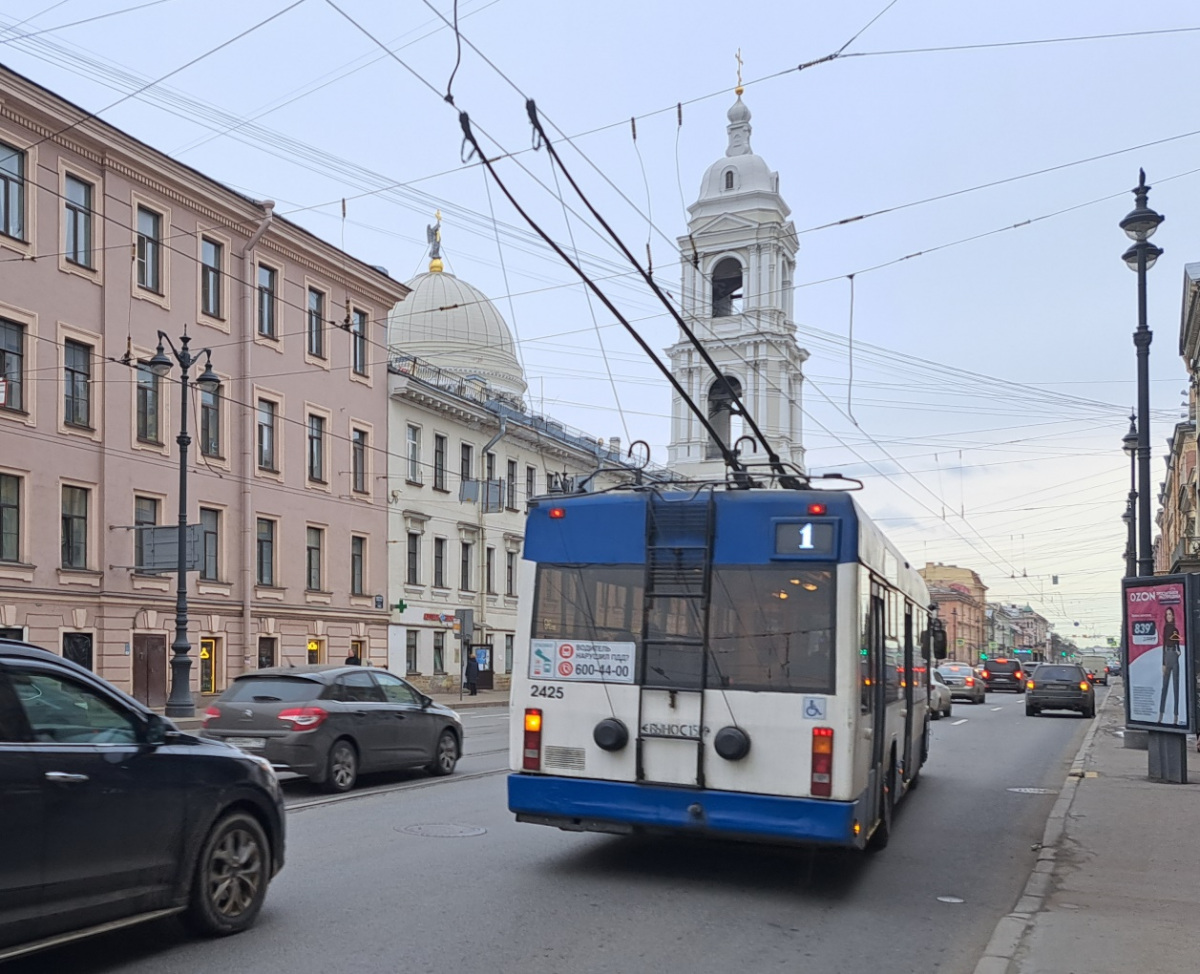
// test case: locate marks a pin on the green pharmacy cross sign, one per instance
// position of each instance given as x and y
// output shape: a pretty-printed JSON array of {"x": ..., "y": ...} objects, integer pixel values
[{"x": 400, "y": 606}]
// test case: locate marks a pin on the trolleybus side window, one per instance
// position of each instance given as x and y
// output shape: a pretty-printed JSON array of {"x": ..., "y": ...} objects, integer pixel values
[
  {"x": 772, "y": 628},
  {"x": 893, "y": 653},
  {"x": 866, "y": 648}
]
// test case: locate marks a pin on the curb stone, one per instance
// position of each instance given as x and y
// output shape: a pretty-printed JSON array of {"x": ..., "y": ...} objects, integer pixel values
[{"x": 1011, "y": 929}]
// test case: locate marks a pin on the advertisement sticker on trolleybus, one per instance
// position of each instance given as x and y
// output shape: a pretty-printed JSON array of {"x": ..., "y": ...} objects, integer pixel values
[{"x": 581, "y": 660}]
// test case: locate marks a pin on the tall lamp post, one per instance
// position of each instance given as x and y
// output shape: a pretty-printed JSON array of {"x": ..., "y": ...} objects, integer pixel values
[
  {"x": 1129, "y": 443},
  {"x": 1139, "y": 226},
  {"x": 180, "y": 702}
]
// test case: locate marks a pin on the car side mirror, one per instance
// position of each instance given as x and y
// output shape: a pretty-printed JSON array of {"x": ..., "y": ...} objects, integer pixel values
[
  {"x": 425, "y": 701},
  {"x": 156, "y": 730}
]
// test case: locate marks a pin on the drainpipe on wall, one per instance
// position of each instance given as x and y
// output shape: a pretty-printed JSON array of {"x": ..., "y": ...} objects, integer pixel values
[
  {"x": 248, "y": 533},
  {"x": 481, "y": 618}
]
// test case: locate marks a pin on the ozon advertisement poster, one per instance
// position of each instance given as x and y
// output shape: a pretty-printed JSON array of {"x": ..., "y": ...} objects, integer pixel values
[
  {"x": 1158, "y": 667},
  {"x": 580, "y": 660}
]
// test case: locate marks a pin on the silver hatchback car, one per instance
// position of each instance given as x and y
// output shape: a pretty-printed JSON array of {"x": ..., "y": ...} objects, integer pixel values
[
  {"x": 328, "y": 723},
  {"x": 963, "y": 681}
]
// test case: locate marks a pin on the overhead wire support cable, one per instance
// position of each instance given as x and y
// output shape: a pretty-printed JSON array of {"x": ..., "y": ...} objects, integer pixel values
[
  {"x": 741, "y": 477},
  {"x": 786, "y": 479}
]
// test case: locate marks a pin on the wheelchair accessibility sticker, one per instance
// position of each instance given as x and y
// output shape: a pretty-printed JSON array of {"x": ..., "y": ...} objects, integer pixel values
[{"x": 814, "y": 708}]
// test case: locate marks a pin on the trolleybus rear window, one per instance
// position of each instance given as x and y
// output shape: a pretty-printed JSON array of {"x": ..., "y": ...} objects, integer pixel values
[{"x": 589, "y": 602}]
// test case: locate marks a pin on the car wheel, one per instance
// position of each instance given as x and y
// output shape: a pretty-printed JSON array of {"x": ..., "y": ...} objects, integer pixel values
[
  {"x": 1031, "y": 711},
  {"x": 949, "y": 710},
  {"x": 341, "y": 767},
  {"x": 230, "y": 880},
  {"x": 935, "y": 713},
  {"x": 445, "y": 757},
  {"x": 887, "y": 804},
  {"x": 1089, "y": 712}
]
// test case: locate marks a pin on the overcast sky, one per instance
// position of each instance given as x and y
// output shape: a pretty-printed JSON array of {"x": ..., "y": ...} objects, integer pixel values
[{"x": 992, "y": 378}]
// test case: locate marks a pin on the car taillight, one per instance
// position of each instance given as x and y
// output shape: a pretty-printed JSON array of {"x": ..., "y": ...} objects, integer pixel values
[
  {"x": 986, "y": 674},
  {"x": 212, "y": 713},
  {"x": 304, "y": 718},
  {"x": 1018, "y": 674},
  {"x": 821, "y": 784},
  {"x": 1084, "y": 685},
  {"x": 970, "y": 681},
  {"x": 1029, "y": 685},
  {"x": 532, "y": 755}
]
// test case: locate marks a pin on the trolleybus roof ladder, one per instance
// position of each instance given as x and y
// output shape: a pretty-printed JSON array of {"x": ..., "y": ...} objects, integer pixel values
[{"x": 679, "y": 539}]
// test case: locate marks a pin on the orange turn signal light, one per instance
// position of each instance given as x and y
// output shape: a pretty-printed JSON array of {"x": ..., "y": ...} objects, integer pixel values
[
  {"x": 1029, "y": 685},
  {"x": 533, "y": 720},
  {"x": 1084, "y": 685}
]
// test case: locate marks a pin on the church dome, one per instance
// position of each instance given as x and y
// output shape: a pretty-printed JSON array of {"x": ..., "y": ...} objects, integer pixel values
[
  {"x": 454, "y": 326},
  {"x": 740, "y": 173}
]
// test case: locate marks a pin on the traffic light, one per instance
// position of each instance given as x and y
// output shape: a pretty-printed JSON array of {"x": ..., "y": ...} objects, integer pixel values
[{"x": 983, "y": 656}]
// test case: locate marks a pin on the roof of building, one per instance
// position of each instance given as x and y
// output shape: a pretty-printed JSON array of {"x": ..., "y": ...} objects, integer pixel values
[
  {"x": 453, "y": 325},
  {"x": 753, "y": 185}
]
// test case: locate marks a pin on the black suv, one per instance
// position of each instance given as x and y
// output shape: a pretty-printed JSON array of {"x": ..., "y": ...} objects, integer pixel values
[
  {"x": 112, "y": 816},
  {"x": 1004, "y": 674},
  {"x": 1060, "y": 686}
]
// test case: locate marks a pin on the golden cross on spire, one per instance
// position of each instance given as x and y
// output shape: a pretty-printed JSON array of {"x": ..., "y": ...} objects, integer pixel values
[{"x": 739, "y": 89}]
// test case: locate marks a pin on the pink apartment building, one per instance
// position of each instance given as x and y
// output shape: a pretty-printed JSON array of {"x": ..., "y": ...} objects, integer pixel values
[{"x": 103, "y": 243}]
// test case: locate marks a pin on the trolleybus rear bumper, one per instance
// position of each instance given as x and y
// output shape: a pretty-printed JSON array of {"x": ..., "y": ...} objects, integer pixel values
[{"x": 590, "y": 805}]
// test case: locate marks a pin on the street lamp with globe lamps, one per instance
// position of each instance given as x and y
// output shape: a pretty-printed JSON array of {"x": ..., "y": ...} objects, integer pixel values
[
  {"x": 180, "y": 702},
  {"x": 1139, "y": 226}
]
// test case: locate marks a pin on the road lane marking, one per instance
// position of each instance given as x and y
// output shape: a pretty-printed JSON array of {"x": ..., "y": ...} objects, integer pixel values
[
  {"x": 997, "y": 708},
  {"x": 957, "y": 722}
]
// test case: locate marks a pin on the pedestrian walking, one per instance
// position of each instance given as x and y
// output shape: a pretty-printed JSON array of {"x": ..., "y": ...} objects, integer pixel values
[{"x": 472, "y": 674}]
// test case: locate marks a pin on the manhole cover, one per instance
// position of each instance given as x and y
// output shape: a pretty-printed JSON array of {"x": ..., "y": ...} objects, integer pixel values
[
  {"x": 1032, "y": 791},
  {"x": 950, "y": 899},
  {"x": 439, "y": 830}
]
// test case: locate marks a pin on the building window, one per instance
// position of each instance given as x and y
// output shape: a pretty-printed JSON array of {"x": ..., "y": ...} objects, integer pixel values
[
  {"x": 508, "y": 652},
  {"x": 316, "y": 323},
  {"x": 266, "y": 435},
  {"x": 147, "y": 405},
  {"x": 510, "y": 573},
  {"x": 530, "y": 482},
  {"x": 12, "y": 362},
  {"x": 413, "y": 575},
  {"x": 410, "y": 651},
  {"x": 266, "y": 300},
  {"x": 358, "y": 342},
  {"x": 489, "y": 466},
  {"x": 12, "y": 191},
  {"x": 358, "y": 549},
  {"x": 316, "y": 449},
  {"x": 210, "y": 539},
  {"x": 358, "y": 460},
  {"x": 74, "y": 527},
  {"x": 510, "y": 486},
  {"x": 729, "y": 179},
  {"x": 210, "y": 422},
  {"x": 439, "y": 651},
  {"x": 149, "y": 250},
  {"x": 464, "y": 469},
  {"x": 414, "y": 454},
  {"x": 439, "y": 562},
  {"x": 77, "y": 375},
  {"x": 464, "y": 568},
  {"x": 314, "y": 541},
  {"x": 211, "y": 254},
  {"x": 145, "y": 515},
  {"x": 77, "y": 214},
  {"x": 489, "y": 564},
  {"x": 265, "y": 552},
  {"x": 10, "y": 517},
  {"x": 358, "y": 649},
  {"x": 439, "y": 462}
]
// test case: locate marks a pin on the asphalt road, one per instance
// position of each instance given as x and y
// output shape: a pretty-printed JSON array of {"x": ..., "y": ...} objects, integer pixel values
[{"x": 360, "y": 894}]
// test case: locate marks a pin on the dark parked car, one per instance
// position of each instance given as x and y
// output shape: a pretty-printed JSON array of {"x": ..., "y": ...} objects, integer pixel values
[
  {"x": 112, "y": 816},
  {"x": 1004, "y": 674},
  {"x": 329, "y": 723},
  {"x": 1060, "y": 686}
]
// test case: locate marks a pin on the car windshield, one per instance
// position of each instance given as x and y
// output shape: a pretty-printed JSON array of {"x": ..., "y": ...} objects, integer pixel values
[
  {"x": 1047, "y": 672},
  {"x": 272, "y": 689}
]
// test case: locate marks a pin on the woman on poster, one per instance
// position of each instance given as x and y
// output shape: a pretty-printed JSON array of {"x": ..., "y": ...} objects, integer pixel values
[{"x": 1172, "y": 646}]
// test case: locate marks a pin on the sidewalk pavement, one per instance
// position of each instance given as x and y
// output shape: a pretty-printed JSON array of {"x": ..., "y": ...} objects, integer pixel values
[
  {"x": 484, "y": 698},
  {"x": 1116, "y": 886}
]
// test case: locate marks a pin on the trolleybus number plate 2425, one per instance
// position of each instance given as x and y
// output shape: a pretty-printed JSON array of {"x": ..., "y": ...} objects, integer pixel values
[{"x": 581, "y": 660}]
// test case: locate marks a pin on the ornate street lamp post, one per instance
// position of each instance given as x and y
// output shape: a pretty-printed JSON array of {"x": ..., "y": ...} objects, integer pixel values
[
  {"x": 180, "y": 702},
  {"x": 1129, "y": 443}
]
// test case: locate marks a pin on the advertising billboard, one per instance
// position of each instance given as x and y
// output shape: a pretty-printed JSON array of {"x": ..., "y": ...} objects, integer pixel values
[{"x": 1159, "y": 692}]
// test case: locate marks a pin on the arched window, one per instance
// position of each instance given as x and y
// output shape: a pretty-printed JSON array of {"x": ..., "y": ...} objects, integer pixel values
[
  {"x": 727, "y": 288},
  {"x": 720, "y": 413},
  {"x": 729, "y": 179}
]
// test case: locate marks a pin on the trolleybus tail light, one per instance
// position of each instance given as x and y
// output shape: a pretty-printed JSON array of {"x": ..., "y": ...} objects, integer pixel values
[
  {"x": 817, "y": 508},
  {"x": 212, "y": 713},
  {"x": 532, "y": 754},
  {"x": 558, "y": 513},
  {"x": 821, "y": 785},
  {"x": 304, "y": 718}
]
